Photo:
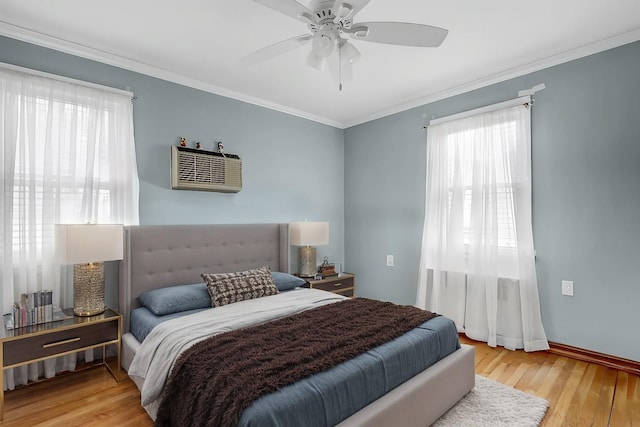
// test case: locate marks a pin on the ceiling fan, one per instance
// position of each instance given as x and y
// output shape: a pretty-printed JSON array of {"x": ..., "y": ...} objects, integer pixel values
[{"x": 330, "y": 23}]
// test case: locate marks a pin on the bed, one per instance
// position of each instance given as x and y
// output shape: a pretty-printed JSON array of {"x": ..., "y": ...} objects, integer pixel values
[{"x": 160, "y": 256}]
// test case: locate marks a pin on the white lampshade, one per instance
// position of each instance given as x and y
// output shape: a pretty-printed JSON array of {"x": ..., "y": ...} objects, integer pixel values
[
  {"x": 315, "y": 61},
  {"x": 87, "y": 243},
  {"x": 349, "y": 53},
  {"x": 306, "y": 233},
  {"x": 325, "y": 41}
]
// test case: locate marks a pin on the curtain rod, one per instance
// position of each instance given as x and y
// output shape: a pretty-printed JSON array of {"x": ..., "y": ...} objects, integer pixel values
[
  {"x": 486, "y": 109},
  {"x": 524, "y": 97},
  {"x": 65, "y": 79}
]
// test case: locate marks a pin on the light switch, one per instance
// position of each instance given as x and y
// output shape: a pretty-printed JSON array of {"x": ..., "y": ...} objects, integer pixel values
[{"x": 390, "y": 262}]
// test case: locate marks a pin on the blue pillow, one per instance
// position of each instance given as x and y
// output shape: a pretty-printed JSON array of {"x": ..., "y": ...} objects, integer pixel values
[
  {"x": 174, "y": 299},
  {"x": 285, "y": 281}
]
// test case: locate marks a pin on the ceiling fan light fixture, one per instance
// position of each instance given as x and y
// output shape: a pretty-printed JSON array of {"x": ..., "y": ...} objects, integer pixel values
[
  {"x": 330, "y": 23},
  {"x": 315, "y": 61},
  {"x": 349, "y": 53},
  {"x": 324, "y": 41}
]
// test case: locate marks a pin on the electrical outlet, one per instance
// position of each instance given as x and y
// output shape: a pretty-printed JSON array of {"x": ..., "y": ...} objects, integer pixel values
[
  {"x": 567, "y": 288},
  {"x": 390, "y": 262}
]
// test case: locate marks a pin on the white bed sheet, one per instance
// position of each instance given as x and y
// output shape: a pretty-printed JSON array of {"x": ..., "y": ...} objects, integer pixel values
[{"x": 154, "y": 359}]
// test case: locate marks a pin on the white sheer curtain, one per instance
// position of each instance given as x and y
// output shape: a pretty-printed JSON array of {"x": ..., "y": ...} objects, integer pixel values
[
  {"x": 67, "y": 156},
  {"x": 477, "y": 264}
]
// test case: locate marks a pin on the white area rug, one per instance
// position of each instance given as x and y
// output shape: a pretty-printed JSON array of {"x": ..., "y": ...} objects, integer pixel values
[{"x": 493, "y": 404}]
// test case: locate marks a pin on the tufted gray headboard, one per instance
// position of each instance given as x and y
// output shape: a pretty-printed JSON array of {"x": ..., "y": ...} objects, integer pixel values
[{"x": 163, "y": 255}]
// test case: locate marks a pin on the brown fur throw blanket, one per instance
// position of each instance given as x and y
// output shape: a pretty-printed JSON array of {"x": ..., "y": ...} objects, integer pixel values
[{"x": 216, "y": 379}]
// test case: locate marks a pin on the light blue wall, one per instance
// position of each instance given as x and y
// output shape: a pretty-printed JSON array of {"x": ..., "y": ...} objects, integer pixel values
[
  {"x": 586, "y": 148},
  {"x": 293, "y": 168},
  {"x": 586, "y": 197}
]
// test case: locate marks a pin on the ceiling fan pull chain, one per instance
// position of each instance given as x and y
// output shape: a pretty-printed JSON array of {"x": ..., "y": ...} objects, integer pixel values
[{"x": 340, "y": 67}]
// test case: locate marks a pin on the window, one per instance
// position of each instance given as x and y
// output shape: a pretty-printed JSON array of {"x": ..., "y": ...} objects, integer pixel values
[
  {"x": 462, "y": 147},
  {"x": 67, "y": 156},
  {"x": 477, "y": 230},
  {"x": 478, "y": 198},
  {"x": 63, "y": 127}
]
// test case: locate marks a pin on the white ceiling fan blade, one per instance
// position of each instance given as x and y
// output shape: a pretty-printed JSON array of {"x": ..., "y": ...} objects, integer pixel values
[
  {"x": 357, "y": 5},
  {"x": 335, "y": 9},
  {"x": 290, "y": 8},
  {"x": 341, "y": 10},
  {"x": 275, "y": 49},
  {"x": 400, "y": 33},
  {"x": 347, "y": 9}
]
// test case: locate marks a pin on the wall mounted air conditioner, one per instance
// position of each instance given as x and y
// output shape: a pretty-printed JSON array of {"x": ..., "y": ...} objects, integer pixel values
[{"x": 203, "y": 170}]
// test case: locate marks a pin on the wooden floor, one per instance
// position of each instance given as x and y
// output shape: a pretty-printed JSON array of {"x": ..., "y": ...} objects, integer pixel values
[{"x": 579, "y": 393}]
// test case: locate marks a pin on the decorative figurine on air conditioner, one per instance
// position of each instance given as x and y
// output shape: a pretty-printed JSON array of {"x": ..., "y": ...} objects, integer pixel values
[
  {"x": 183, "y": 141},
  {"x": 221, "y": 149}
]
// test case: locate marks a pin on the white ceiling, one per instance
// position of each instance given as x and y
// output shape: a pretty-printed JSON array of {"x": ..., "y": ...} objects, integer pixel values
[{"x": 200, "y": 42}]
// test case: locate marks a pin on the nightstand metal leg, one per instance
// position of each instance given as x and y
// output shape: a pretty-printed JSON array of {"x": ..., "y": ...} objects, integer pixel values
[
  {"x": 2, "y": 399},
  {"x": 2, "y": 388}
]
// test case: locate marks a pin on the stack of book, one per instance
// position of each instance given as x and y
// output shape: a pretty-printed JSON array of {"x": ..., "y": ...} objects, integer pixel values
[{"x": 33, "y": 309}]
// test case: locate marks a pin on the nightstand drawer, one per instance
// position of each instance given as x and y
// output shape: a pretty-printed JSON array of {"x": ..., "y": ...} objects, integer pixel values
[
  {"x": 334, "y": 285},
  {"x": 48, "y": 344}
]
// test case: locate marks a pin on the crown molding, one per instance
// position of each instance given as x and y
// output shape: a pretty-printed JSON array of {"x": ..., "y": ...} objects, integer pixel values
[
  {"x": 76, "y": 49},
  {"x": 33, "y": 37},
  {"x": 561, "y": 58}
]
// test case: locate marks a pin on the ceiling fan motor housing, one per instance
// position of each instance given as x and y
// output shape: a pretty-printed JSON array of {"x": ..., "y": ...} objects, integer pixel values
[{"x": 324, "y": 14}]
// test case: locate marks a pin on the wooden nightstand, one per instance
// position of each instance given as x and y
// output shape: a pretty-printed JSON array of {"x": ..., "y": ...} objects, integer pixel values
[
  {"x": 343, "y": 284},
  {"x": 39, "y": 342}
]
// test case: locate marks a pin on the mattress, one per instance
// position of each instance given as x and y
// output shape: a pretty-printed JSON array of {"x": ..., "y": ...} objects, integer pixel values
[{"x": 331, "y": 396}]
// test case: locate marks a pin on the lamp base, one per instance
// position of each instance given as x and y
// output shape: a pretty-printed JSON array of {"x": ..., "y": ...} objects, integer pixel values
[
  {"x": 307, "y": 259},
  {"x": 88, "y": 289}
]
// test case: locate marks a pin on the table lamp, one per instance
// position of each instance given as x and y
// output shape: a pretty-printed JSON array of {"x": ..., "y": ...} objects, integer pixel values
[
  {"x": 87, "y": 246},
  {"x": 306, "y": 235}
]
